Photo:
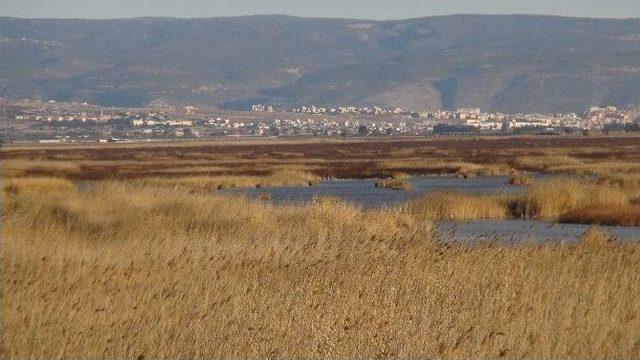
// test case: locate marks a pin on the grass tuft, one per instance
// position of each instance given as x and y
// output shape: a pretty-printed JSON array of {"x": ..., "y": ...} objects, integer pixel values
[
  {"x": 520, "y": 179},
  {"x": 396, "y": 182},
  {"x": 595, "y": 238},
  {"x": 456, "y": 206}
]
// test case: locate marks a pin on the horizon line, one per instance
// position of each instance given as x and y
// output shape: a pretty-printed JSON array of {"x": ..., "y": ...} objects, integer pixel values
[{"x": 320, "y": 17}]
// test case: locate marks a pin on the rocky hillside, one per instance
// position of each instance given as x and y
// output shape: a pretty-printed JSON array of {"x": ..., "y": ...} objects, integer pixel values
[{"x": 507, "y": 63}]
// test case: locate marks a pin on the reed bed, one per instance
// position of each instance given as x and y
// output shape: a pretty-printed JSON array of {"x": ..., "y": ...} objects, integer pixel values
[
  {"x": 396, "y": 182},
  {"x": 276, "y": 178},
  {"x": 29, "y": 167},
  {"x": 563, "y": 199},
  {"x": 566, "y": 200},
  {"x": 137, "y": 271},
  {"x": 451, "y": 167},
  {"x": 36, "y": 185},
  {"x": 457, "y": 206},
  {"x": 545, "y": 162},
  {"x": 626, "y": 215},
  {"x": 599, "y": 156}
]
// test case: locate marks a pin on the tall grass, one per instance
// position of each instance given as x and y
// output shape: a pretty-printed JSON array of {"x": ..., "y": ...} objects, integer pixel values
[
  {"x": 130, "y": 271},
  {"x": 545, "y": 163},
  {"x": 456, "y": 206},
  {"x": 627, "y": 215},
  {"x": 23, "y": 167},
  {"x": 283, "y": 177},
  {"x": 36, "y": 185},
  {"x": 552, "y": 199},
  {"x": 559, "y": 199}
]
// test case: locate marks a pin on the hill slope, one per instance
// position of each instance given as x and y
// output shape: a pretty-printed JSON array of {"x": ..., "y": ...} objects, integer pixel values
[{"x": 508, "y": 63}]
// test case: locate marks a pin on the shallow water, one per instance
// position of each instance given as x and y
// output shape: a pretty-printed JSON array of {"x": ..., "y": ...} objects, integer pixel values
[
  {"x": 364, "y": 192},
  {"x": 525, "y": 230}
]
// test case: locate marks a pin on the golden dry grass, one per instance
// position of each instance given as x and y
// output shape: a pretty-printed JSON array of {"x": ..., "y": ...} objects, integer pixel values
[
  {"x": 471, "y": 169},
  {"x": 453, "y": 167},
  {"x": 396, "y": 182},
  {"x": 280, "y": 177},
  {"x": 129, "y": 271},
  {"x": 624, "y": 173},
  {"x": 520, "y": 179},
  {"x": 558, "y": 199},
  {"x": 629, "y": 183},
  {"x": 627, "y": 215},
  {"x": 456, "y": 206},
  {"x": 36, "y": 185},
  {"x": 595, "y": 238},
  {"x": 329, "y": 158},
  {"x": 552, "y": 199},
  {"x": 22, "y": 167},
  {"x": 545, "y": 162},
  {"x": 159, "y": 267}
]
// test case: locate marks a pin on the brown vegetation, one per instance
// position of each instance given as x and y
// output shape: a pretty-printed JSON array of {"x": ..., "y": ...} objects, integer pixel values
[
  {"x": 545, "y": 162},
  {"x": 281, "y": 177},
  {"x": 627, "y": 215},
  {"x": 455, "y": 206},
  {"x": 329, "y": 158},
  {"x": 142, "y": 271},
  {"x": 520, "y": 179},
  {"x": 595, "y": 238},
  {"x": 397, "y": 182},
  {"x": 559, "y": 199},
  {"x": 573, "y": 200},
  {"x": 612, "y": 162},
  {"x": 36, "y": 185}
]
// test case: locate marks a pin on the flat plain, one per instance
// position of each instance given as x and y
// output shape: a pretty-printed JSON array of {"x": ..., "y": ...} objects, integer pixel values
[
  {"x": 343, "y": 158},
  {"x": 130, "y": 251}
]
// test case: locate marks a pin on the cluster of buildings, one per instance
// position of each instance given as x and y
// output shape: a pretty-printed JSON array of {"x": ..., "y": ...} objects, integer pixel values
[
  {"x": 262, "y": 107},
  {"x": 83, "y": 121},
  {"x": 334, "y": 126},
  {"x": 375, "y": 121},
  {"x": 344, "y": 110},
  {"x": 595, "y": 118},
  {"x": 52, "y": 112},
  {"x": 600, "y": 117},
  {"x": 351, "y": 110}
]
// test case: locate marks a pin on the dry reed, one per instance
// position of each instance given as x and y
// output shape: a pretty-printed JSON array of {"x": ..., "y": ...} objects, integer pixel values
[
  {"x": 552, "y": 199},
  {"x": 520, "y": 179},
  {"x": 129, "y": 271},
  {"x": 396, "y": 182},
  {"x": 456, "y": 206},
  {"x": 207, "y": 183}
]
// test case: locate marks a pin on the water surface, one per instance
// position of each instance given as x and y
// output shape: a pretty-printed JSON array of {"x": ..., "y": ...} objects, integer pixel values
[
  {"x": 514, "y": 230},
  {"x": 364, "y": 192}
]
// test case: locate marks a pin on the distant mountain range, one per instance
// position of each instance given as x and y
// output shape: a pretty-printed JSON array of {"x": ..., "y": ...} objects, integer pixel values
[{"x": 504, "y": 63}]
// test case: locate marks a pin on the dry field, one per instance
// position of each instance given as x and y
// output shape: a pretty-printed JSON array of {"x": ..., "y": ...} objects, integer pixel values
[
  {"x": 328, "y": 158},
  {"x": 139, "y": 271},
  {"x": 149, "y": 262}
]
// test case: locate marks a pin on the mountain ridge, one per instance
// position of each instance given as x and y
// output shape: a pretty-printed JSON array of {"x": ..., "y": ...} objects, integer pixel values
[{"x": 515, "y": 63}]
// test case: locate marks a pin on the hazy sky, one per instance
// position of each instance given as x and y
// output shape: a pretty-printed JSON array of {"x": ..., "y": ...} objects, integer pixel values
[{"x": 369, "y": 9}]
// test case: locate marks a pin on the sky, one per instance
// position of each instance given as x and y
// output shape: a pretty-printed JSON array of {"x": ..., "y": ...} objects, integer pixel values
[{"x": 361, "y": 9}]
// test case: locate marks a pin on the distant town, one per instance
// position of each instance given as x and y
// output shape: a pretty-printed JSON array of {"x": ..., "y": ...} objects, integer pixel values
[{"x": 51, "y": 122}]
